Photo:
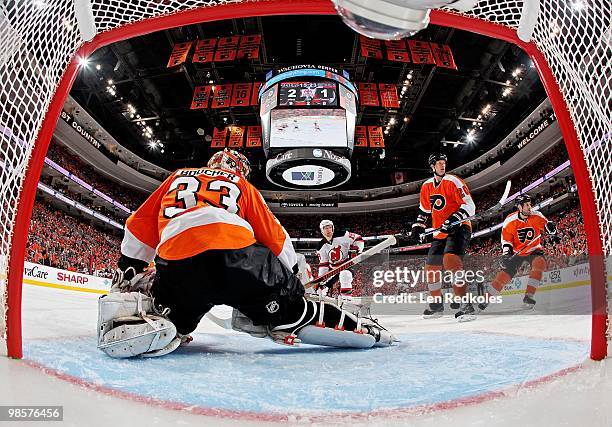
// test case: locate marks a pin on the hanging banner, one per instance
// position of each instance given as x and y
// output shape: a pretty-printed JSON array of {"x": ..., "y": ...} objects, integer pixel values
[
  {"x": 443, "y": 56},
  {"x": 226, "y": 49},
  {"x": 370, "y": 48},
  {"x": 241, "y": 95},
  {"x": 388, "y": 95},
  {"x": 368, "y": 94},
  {"x": 201, "y": 97},
  {"x": 255, "y": 93},
  {"x": 236, "y": 138},
  {"x": 179, "y": 54},
  {"x": 219, "y": 137},
  {"x": 253, "y": 137},
  {"x": 397, "y": 51},
  {"x": 204, "y": 50},
  {"x": 249, "y": 47},
  {"x": 361, "y": 137},
  {"x": 375, "y": 135},
  {"x": 221, "y": 96},
  {"x": 421, "y": 52}
]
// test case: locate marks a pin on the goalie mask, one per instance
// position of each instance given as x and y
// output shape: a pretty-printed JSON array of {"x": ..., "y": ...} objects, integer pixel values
[
  {"x": 231, "y": 160},
  {"x": 392, "y": 19}
]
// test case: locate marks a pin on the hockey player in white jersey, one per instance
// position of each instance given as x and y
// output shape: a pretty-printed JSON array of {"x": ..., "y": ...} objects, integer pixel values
[{"x": 335, "y": 249}]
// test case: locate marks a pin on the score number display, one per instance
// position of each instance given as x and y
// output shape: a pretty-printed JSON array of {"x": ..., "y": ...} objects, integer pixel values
[{"x": 308, "y": 93}]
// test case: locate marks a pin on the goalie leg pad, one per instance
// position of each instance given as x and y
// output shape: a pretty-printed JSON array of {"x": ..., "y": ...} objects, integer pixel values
[
  {"x": 335, "y": 337},
  {"x": 127, "y": 326}
]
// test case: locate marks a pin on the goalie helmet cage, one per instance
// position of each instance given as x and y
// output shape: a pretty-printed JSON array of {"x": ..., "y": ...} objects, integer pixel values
[{"x": 41, "y": 42}]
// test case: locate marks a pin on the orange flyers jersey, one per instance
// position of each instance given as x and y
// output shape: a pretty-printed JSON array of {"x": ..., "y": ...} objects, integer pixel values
[
  {"x": 445, "y": 198},
  {"x": 523, "y": 235},
  {"x": 196, "y": 210}
]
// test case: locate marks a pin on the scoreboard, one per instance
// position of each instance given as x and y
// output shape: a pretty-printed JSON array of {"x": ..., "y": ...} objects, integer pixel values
[{"x": 308, "y": 93}]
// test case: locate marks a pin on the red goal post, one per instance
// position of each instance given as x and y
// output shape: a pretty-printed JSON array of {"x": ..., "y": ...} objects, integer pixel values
[{"x": 40, "y": 44}]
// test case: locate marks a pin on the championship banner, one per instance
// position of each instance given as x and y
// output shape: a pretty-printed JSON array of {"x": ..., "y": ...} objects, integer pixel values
[
  {"x": 179, "y": 54},
  {"x": 443, "y": 56},
  {"x": 397, "y": 51},
  {"x": 255, "y": 93},
  {"x": 388, "y": 95},
  {"x": 249, "y": 47},
  {"x": 421, "y": 52},
  {"x": 375, "y": 135},
  {"x": 201, "y": 96},
  {"x": 236, "y": 138},
  {"x": 205, "y": 50},
  {"x": 370, "y": 48},
  {"x": 368, "y": 94},
  {"x": 253, "y": 138},
  {"x": 221, "y": 96},
  {"x": 361, "y": 136},
  {"x": 219, "y": 137},
  {"x": 241, "y": 95},
  {"x": 226, "y": 49}
]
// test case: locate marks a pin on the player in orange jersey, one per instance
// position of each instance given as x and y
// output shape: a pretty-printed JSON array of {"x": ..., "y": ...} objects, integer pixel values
[
  {"x": 446, "y": 199},
  {"x": 521, "y": 240},
  {"x": 215, "y": 241}
]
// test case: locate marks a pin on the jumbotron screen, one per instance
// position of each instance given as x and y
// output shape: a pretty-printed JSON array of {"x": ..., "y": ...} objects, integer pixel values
[
  {"x": 308, "y": 93},
  {"x": 316, "y": 127}
]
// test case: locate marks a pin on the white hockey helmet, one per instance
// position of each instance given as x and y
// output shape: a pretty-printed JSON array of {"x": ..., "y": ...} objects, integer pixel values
[
  {"x": 231, "y": 160},
  {"x": 392, "y": 19},
  {"x": 325, "y": 223}
]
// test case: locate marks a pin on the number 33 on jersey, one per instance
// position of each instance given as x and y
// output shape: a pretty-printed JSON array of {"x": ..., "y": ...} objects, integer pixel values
[{"x": 196, "y": 210}]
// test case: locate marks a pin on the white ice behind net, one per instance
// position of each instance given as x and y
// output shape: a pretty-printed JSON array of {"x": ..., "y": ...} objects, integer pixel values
[{"x": 38, "y": 39}]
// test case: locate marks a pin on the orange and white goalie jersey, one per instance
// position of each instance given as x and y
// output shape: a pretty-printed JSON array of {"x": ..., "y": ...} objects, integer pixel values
[
  {"x": 333, "y": 253},
  {"x": 523, "y": 235},
  {"x": 196, "y": 210},
  {"x": 441, "y": 199}
]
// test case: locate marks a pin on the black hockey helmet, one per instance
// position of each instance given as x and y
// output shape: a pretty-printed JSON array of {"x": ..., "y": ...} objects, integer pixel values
[
  {"x": 522, "y": 199},
  {"x": 433, "y": 158}
]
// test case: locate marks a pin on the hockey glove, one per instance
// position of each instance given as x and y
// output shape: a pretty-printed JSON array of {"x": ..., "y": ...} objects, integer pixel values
[
  {"x": 418, "y": 228},
  {"x": 131, "y": 276},
  {"x": 504, "y": 262},
  {"x": 454, "y": 221}
]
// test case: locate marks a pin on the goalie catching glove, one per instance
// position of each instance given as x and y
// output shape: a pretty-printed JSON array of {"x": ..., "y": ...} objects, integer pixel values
[{"x": 132, "y": 275}]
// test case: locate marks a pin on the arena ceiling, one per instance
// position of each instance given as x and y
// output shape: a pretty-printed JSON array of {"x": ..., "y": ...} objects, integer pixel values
[{"x": 438, "y": 108}]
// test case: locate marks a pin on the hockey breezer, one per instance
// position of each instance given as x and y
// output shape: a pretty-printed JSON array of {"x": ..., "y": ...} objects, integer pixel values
[
  {"x": 214, "y": 241},
  {"x": 321, "y": 280}
]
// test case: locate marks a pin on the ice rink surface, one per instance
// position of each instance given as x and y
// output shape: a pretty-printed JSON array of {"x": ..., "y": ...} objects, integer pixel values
[{"x": 522, "y": 369}]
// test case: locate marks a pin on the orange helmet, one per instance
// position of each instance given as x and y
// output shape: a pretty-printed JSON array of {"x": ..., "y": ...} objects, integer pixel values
[{"x": 231, "y": 160}]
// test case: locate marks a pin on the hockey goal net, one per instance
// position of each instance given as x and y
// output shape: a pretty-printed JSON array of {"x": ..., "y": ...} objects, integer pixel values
[{"x": 41, "y": 40}]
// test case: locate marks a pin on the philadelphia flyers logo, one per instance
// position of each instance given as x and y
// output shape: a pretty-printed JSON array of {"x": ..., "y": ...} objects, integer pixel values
[
  {"x": 525, "y": 234},
  {"x": 335, "y": 254},
  {"x": 438, "y": 202}
]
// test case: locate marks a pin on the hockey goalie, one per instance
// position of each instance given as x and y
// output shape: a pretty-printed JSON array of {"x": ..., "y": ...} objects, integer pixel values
[{"x": 213, "y": 240}]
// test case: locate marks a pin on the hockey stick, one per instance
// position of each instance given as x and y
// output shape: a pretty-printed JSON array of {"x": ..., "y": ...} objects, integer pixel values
[
  {"x": 224, "y": 323},
  {"x": 492, "y": 209},
  {"x": 389, "y": 241}
]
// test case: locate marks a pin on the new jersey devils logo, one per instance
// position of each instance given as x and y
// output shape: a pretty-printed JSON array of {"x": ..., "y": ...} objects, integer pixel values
[
  {"x": 525, "y": 234},
  {"x": 335, "y": 254},
  {"x": 437, "y": 201}
]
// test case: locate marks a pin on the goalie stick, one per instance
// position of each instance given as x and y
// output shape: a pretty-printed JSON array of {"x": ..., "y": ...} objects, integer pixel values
[
  {"x": 389, "y": 241},
  {"x": 492, "y": 209}
]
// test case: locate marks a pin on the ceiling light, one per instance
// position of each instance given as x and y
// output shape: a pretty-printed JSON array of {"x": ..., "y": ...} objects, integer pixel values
[
  {"x": 470, "y": 138},
  {"x": 392, "y": 121},
  {"x": 83, "y": 61},
  {"x": 486, "y": 109},
  {"x": 98, "y": 67}
]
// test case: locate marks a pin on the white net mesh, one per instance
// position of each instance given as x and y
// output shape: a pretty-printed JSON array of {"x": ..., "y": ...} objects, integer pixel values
[{"x": 39, "y": 37}]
